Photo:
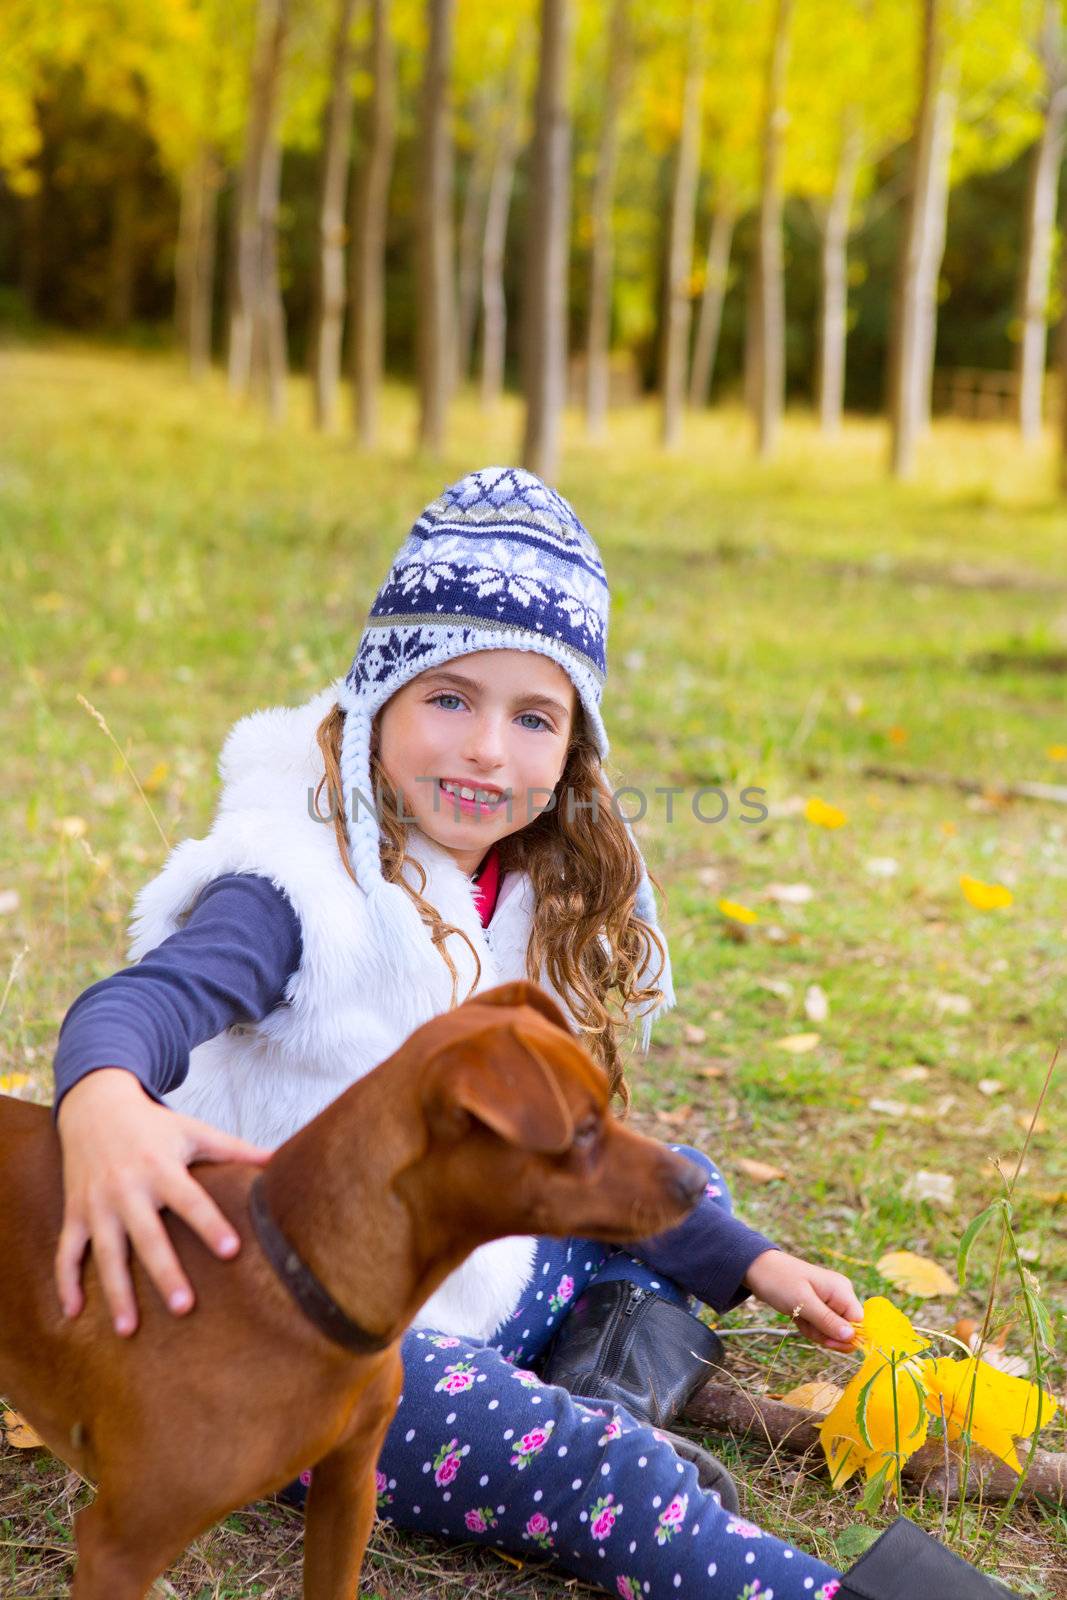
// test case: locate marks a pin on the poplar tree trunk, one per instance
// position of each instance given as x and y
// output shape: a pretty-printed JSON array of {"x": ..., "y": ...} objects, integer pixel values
[
  {"x": 753, "y": 361},
  {"x": 471, "y": 235},
  {"x": 195, "y": 261},
  {"x": 922, "y": 244},
  {"x": 709, "y": 322},
  {"x": 937, "y": 228},
  {"x": 1063, "y": 379},
  {"x": 269, "y": 361},
  {"x": 329, "y": 312},
  {"x": 770, "y": 277},
  {"x": 544, "y": 336},
  {"x": 32, "y": 238},
  {"x": 833, "y": 313},
  {"x": 255, "y": 313},
  {"x": 602, "y": 254},
  {"x": 498, "y": 205},
  {"x": 436, "y": 309},
  {"x": 1040, "y": 226},
  {"x": 370, "y": 197},
  {"x": 680, "y": 248}
]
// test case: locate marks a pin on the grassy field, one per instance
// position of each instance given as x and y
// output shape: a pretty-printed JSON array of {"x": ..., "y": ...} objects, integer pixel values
[{"x": 179, "y": 563}]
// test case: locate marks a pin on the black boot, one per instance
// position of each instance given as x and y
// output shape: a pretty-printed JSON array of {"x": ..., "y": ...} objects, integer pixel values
[
  {"x": 905, "y": 1563},
  {"x": 633, "y": 1348}
]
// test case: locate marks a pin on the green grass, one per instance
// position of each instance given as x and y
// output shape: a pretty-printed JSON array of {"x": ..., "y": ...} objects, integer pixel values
[{"x": 178, "y": 562}]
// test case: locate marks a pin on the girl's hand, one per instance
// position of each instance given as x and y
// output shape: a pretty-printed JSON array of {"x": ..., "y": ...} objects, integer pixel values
[
  {"x": 822, "y": 1303},
  {"x": 124, "y": 1158}
]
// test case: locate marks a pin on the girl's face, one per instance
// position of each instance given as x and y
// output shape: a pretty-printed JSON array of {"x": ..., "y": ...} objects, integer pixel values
[{"x": 497, "y": 721}]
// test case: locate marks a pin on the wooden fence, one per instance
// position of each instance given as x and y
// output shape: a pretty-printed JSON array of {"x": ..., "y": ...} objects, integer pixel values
[{"x": 986, "y": 395}]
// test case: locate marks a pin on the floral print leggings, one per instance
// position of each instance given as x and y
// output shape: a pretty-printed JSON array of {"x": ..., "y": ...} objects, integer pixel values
[{"x": 481, "y": 1450}]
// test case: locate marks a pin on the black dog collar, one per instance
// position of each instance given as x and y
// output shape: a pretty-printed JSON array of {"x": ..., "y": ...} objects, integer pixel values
[{"x": 314, "y": 1300}]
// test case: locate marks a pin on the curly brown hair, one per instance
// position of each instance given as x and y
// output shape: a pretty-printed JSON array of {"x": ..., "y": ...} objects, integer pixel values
[{"x": 585, "y": 872}]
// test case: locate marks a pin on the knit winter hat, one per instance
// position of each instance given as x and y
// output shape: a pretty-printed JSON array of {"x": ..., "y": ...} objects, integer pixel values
[{"x": 499, "y": 561}]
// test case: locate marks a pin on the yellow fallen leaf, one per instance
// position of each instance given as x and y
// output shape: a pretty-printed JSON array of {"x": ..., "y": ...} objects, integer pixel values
[
  {"x": 880, "y": 1414},
  {"x": 1057, "y": 752},
  {"x": 994, "y": 1407},
  {"x": 824, "y": 815},
  {"x": 897, "y": 734},
  {"x": 758, "y": 1171},
  {"x": 737, "y": 912},
  {"x": 985, "y": 896},
  {"x": 798, "y": 1044},
  {"x": 12, "y": 1081},
  {"x": 886, "y": 1330},
  {"x": 813, "y": 1396},
  {"x": 157, "y": 777},
  {"x": 18, "y": 1432},
  {"x": 916, "y": 1274}
]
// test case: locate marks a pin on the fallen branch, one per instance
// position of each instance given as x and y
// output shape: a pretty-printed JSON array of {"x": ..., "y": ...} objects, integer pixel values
[
  {"x": 723, "y": 1409},
  {"x": 1054, "y": 792}
]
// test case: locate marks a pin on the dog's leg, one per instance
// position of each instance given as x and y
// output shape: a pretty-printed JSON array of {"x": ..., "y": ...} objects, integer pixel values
[
  {"x": 119, "y": 1553},
  {"x": 139, "y": 1524},
  {"x": 343, "y": 1496}
]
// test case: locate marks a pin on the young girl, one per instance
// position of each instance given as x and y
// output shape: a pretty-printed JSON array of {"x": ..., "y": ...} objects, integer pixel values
[{"x": 434, "y": 824}]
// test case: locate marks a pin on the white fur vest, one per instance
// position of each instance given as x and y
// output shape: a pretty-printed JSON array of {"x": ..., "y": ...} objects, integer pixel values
[{"x": 341, "y": 1015}]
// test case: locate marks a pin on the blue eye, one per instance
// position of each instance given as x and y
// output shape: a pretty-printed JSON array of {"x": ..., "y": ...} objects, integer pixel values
[{"x": 541, "y": 721}]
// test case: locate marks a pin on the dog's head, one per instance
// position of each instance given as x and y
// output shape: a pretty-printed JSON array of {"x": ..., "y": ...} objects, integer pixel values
[{"x": 520, "y": 1135}]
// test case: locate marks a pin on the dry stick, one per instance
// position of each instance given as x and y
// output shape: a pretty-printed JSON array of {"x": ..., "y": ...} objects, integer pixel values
[
  {"x": 722, "y": 1409},
  {"x": 1055, "y": 792},
  {"x": 98, "y": 717}
]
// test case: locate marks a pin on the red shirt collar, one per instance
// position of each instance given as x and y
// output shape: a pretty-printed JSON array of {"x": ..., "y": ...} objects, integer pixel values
[{"x": 487, "y": 886}]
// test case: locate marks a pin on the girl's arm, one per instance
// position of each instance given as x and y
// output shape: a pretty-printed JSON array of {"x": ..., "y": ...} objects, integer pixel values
[
  {"x": 126, "y": 1041},
  {"x": 708, "y": 1254},
  {"x": 715, "y": 1256},
  {"x": 229, "y": 963}
]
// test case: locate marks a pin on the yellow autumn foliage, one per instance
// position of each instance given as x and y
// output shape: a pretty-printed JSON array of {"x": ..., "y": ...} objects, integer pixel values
[
  {"x": 1005, "y": 1408},
  {"x": 985, "y": 896},
  {"x": 824, "y": 815},
  {"x": 884, "y": 1412}
]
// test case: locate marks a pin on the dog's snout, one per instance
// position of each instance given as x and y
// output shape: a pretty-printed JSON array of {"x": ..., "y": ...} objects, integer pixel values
[{"x": 689, "y": 1182}]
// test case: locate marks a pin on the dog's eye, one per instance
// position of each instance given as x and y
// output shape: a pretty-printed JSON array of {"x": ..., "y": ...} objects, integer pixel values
[{"x": 586, "y": 1133}]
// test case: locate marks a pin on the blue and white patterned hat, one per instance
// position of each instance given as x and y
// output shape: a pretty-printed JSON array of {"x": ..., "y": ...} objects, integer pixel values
[{"x": 499, "y": 561}]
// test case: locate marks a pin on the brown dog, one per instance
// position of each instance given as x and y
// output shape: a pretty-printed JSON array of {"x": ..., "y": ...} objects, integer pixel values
[{"x": 489, "y": 1120}]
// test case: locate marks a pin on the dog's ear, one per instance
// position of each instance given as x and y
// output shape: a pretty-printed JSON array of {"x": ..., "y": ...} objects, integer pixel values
[
  {"x": 521, "y": 992},
  {"x": 501, "y": 1077}
]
